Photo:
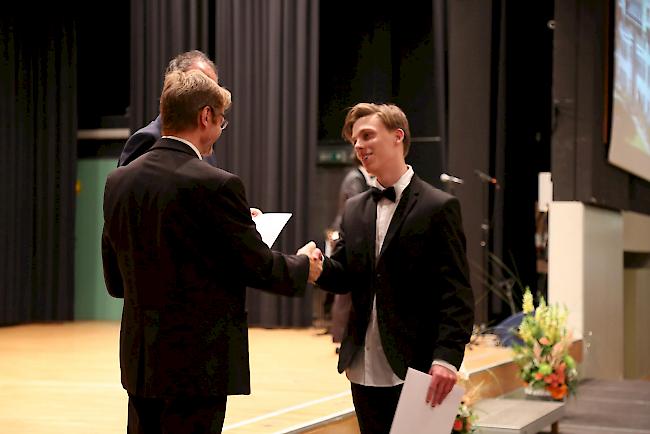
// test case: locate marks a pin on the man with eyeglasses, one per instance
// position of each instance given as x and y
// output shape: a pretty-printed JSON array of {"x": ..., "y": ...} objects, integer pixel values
[
  {"x": 180, "y": 246},
  {"x": 143, "y": 139}
]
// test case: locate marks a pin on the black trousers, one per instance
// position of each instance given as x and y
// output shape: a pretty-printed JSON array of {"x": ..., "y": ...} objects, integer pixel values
[
  {"x": 375, "y": 407},
  {"x": 176, "y": 415}
]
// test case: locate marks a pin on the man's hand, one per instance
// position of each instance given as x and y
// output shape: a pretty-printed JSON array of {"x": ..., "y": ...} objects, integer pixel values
[
  {"x": 315, "y": 260},
  {"x": 442, "y": 381},
  {"x": 255, "y": 212}
]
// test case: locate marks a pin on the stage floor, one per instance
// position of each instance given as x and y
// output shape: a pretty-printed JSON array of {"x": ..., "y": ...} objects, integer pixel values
[{"x": 64, "y": 378}]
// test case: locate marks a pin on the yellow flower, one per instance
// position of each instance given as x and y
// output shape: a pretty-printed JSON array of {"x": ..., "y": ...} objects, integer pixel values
[
  {"x": 528, "y": 302},
  {"x": 544, "y": 350}
]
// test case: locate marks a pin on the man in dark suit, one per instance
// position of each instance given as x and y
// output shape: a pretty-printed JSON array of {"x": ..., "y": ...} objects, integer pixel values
[
  {"x": 143, "y": 139},
  {"x": 356, "y": 181},
  {"x": 402, "y": 257},
  {"x": 180, "y": 247}
]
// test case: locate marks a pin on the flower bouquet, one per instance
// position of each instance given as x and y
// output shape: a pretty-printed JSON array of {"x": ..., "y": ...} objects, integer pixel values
[
  {"x": 464, "y": 423},
  {"x": 543, "y": 358},
  {"x": 465, "y": 418}
]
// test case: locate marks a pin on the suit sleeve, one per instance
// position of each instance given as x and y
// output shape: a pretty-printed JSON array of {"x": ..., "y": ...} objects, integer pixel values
[
  {"x": 456, "y": 317},
  {"x": 112, "y": 276},
  {"x": 260, "y": 266},
  {"x": 334, "y": 277},
  {"x": 135, "y": 146}
]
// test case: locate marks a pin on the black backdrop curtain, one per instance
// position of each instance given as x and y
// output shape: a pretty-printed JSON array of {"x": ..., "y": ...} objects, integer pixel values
[
  {"x": 38, "y": 115},
  {"x": 267, "y": 55},
  {"x": 159, "y": 31},
  {"x": 500, "y": 57}
]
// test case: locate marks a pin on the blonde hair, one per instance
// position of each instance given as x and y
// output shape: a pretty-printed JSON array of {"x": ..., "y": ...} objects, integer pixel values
[
  {"x": 185, "y": 94},
  {"x": 390, "y": 115}
]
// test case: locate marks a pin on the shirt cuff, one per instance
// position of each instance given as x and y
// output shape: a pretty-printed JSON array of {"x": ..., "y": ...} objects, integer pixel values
[{"x": 449, "y": 366}]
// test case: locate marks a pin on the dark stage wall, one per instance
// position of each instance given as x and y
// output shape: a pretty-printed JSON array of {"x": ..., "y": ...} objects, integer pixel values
[
  {"x": 487, "y": 85},
  {"x": 582, "y": 85}
]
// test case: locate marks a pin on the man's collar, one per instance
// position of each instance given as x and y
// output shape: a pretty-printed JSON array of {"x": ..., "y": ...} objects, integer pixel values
[
  {"x": 401, "y": 183},
  {"x": 188, "y": 143}
]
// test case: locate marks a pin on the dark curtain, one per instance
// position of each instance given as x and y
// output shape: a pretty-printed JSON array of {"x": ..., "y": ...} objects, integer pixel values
[
  {"x": 528, "y": 68},
  {"x": 267, "y": 55},
  {"x": 159, "y": 31},
  {"x": 470, "y": 98},
  {"x": 267, "y": 52},
  {"x": 440, "y": 80},
  {"x": 38, "y": 115}
]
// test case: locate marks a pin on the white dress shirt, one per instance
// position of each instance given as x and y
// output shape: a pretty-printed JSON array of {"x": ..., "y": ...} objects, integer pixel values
[
  {"x": 370, "y": 366},
  {"x": 187, "y": 142}
]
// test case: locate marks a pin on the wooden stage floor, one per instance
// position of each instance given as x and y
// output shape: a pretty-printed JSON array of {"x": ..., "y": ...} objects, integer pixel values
[{"x": 64, "y": 378}]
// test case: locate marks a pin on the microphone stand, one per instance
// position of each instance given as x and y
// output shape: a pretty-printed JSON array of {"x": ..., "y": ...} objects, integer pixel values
[
  {"x": 485, "y": 235},
  {"x": 486, "y": 180},
  {"x": 485, "y": 223}
]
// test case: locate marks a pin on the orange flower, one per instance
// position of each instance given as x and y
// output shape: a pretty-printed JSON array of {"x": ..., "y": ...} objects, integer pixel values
[
  {"x": 458, "y": 425},
  {"x": 544, "y": 340},
  {"x": 538, "y": 375},
  {"x": 558, "y": 392}
]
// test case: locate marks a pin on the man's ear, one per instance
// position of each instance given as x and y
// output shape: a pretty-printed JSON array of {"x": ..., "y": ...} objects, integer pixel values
[
  {"x": 204, "y": 116},
  {"x": 399, "y": 134}
]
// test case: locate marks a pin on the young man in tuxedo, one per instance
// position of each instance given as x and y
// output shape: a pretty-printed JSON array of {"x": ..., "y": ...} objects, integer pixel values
[
  {"x": 402, "y": 257},
  {"x": 180, "y": 246}
]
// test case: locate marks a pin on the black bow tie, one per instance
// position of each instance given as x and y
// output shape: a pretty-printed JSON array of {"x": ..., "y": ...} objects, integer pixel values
[{"x": 388, "y": 193}]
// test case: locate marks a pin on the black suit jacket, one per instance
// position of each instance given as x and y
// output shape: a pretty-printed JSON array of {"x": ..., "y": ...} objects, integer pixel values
[
  {"x": 143, "y": 139},
  {"x": 425, "y": 305},
  {"x": 180, "y": 246}
]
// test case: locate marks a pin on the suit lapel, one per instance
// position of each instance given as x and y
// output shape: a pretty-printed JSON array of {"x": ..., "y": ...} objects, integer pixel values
[
  {"x": 369, "y": 222},
  {"x": 406, "y": 203}
]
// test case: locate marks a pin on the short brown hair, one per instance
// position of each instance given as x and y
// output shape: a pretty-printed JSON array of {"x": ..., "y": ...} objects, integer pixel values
[
  {"x": 391, "y": 116},
  {"x": 185, "y": 94}
]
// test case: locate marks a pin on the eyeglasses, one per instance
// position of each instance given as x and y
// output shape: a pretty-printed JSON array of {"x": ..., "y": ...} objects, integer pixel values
[{"x": 224, "y": 121}]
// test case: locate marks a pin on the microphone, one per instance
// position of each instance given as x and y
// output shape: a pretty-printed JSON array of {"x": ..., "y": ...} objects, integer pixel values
[
  {"x": 448, "y": 178},
  {"x": 486, "y": 178}
]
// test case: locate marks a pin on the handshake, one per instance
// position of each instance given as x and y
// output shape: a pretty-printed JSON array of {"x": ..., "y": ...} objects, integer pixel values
[{"x": 315, "y": 260}]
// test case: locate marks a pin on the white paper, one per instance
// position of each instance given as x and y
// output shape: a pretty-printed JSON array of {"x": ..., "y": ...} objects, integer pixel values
[
  {"x": 270, "y": 224},
  {"x": 415, "y": 416}
]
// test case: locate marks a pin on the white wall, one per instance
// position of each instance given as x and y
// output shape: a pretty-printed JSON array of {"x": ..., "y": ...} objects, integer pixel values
[{"x": 586, "y": 274}]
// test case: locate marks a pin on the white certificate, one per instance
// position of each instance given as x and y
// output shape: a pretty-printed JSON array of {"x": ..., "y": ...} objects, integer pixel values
[
  {"x": 270, "y": 224},
  {"x": 415, "y": 416}
]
